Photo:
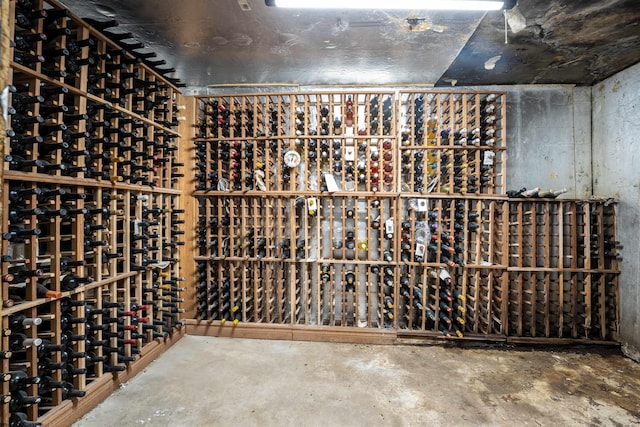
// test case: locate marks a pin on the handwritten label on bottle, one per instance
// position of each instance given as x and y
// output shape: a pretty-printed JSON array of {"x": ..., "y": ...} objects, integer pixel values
[{"x": 488, "y": 158}]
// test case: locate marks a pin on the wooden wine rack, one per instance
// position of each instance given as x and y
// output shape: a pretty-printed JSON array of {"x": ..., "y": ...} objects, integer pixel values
[
  {"x": 363, "y": 216},
  {"x": 123, "y": 156},
  {"x": 562, "y": 280},
  {"x": 453, "y": 143},
  {"x": 282, "y": 253}
]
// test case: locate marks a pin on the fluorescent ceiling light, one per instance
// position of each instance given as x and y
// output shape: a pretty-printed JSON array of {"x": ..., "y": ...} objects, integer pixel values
[{"x": 388, "y": 4}]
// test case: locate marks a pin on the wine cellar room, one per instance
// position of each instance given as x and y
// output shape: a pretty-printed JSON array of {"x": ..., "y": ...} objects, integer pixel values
[{"x": 293, "y": 212}]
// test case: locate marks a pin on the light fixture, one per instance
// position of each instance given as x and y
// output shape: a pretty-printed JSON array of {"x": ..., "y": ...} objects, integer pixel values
[{"x": 389, "y": 4}]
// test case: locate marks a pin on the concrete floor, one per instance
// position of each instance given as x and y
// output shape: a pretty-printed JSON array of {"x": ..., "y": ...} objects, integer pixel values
[{"x": 205, "y": 381}]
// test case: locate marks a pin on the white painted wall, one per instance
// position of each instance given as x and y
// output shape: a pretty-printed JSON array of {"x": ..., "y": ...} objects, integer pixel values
[{"x": 616, "y": 172}]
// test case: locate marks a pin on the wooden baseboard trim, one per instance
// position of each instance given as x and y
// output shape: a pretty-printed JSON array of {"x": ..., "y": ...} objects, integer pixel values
[
  {"x": 71, "y": 410},
  {"x": 241, "y": 330},
  {"x": 408, "y": 337},
  {"x": 364, "y": 335},
  {"x": 561, "y": 341},
  {"x": 288, "y": 332},
  {"x": 344, "y": 334}
]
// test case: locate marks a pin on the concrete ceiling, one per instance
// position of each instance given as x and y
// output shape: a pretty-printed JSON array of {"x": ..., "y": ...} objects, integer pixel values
[
  {"x": 244, "y": 42},
  {"x": 559, "y": 41}
]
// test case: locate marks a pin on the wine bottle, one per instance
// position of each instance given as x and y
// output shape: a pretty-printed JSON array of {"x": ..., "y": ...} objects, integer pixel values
[
  {"x": 66, "y": 263},
  {"x": 46, "y": 348},
  {"x": 19, "y": 322},
  {"x": 44, "y": 166},
  {"x": 48, "y": 128},
  {"x": 26, "y": 17},
  {"x": 47, "y": 110},
  {"x": 516, "y": 193},
  {"x": 18, "y": 341},
  {"x": 444, "y": 319},
  {"x": 457, "y": 330},
  {"x": 113, "y": 368},
  {"x": 442, "y": 327},
  {"x": 91, "y": 327},
  {"x": 75, "y": 46},
  {"x": 48, "y": 214},
  {"x": 53, "y": 33},
  {"x": 68, "y": 390},
  {"x": 20, "y": 419},
  {"x": 48, "y": 194},
  {"x": 19, "y": 122},
  {"x": 19, "y": 141},
  {"x": 66, "y": 322},
  {"x": 551, "y": 194},
  {"x": 55, "y": 52},
  {"x": 530, "y": 193},
  {"x": 69, "y": 282},
  {"x": 24, "y": 40},
  {"x": 41, "y": 292},
  {"x": 27, "y": 59},
  {"x": 68, "y": 337},
  {"x": 47, "y": 384},
  {"x": 20, "y": 380},
  {"x": 68, "y": 371},
  {"x": 55, "y": 14},
  {"x": 71, "y": 212},
  {"x": 73, "y": 65},
  {"x": 21, "y": 399}
]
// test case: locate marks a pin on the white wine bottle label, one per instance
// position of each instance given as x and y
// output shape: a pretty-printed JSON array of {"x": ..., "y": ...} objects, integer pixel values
[
  {"x": 433, "y": 184},
  {"x": 388, "y": 226},
  {"x": 349, "y": 153},
  {"x": 420, "y": 249},
  {"x": 136, "y": 226},
  {"x": 332, "y": 185},
  {"x": 16, "y": 251},
  {"x": 423, "y": 235},
  {"x": 444, "y": 274},
  {"x": 312, "y": 206},
  {"x": 488, "y": 158}
]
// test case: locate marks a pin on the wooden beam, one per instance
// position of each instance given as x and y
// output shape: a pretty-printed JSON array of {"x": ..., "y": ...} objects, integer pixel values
[{"x": 290, "y": 332}]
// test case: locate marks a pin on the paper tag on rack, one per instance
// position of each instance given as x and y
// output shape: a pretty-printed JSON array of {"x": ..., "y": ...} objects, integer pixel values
[
  {"x": 420, "y": 249},
  {"x": 422, "y": 235},
  {"x": 332, "y": 186},
  {"x": 488, "y": 158},
  {"x": 136, "y": 226},
  {"x": 349, "y": 153},
  {"x": 388, "y": 227},
  {"x": 433, "y": 183},
  {"x": 4, "y": 101},
  {"x": 421, "y": 205}
]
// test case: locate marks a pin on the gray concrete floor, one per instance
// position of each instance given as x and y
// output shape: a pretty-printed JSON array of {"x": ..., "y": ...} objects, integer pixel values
[{"x": 205, "y": 381}]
